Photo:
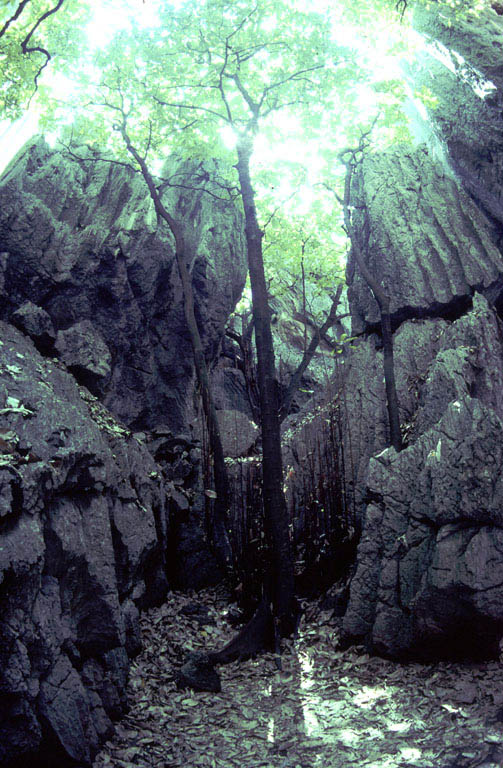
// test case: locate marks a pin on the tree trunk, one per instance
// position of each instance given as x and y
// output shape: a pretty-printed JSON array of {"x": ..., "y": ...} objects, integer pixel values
[
  {"x": 221, "y": 543},
  {"x": 276, "y": 515},
  {"x": 220, "y": 536},
  {"x": 389, "y": 377},
  {"x": 383, "y": 301}
]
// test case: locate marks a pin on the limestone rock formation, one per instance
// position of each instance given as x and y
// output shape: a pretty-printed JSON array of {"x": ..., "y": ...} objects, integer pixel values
[
  {"x": 238, "y": 432},
  {"x": 79, "y": 240},
  {"x": 37, "y": 324},
  {"x": 429, "y": 244},
  {"x": 83, "y": 527},
  {"x": 85, "y": 353},
  {"x": 423, "y": 586},
  {"x": 429, "y": 580}
]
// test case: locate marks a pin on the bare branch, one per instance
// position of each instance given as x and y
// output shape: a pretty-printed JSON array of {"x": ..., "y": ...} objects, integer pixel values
[
  {"x": 17, "y": 13},
  {"x": 27, "y": 49},
  {"x": 242, "y": 23},
  {"x": 330, "y": 189},
  {"x": 221, "y": 88},
  {"x": 295, "y": 76},
  {"x": 280, "y": 205},
  {"x": 254, "y": 106},
  {"x": 192, "y": 188},
  {"x": 97, "y": 158},
  {"x": 180, "y": 105},
  {"x": 401, "y": 7},
  {"x": 276, "y": 107}
]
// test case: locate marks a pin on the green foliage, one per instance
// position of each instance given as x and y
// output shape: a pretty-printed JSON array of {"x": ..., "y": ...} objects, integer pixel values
[{"x": 302, "y": 83}]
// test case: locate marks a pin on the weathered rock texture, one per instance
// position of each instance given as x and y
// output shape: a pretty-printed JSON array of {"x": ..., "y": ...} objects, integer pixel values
[
  {"x": 429, "y": 244},
  {"x": 83, "y": 537},
  {"x": 462, "y": 70},
  {"x": 93, "y": 519},
  {"x": 429, "y": 580},
  {"x": 80, "y": 242}
]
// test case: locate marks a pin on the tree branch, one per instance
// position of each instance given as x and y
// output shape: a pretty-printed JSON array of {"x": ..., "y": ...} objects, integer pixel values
[
  {"x": 295, "y": 76},
  {"x": 17, "y": 13},
  {"x": 27, "y": 49},
  {"x": 308, "y": 356},
  {"x": 180, "y": 105}
]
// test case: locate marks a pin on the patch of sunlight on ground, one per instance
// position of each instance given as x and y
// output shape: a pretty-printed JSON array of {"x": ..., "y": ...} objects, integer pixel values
[
  {"x": 367, "y": 696},
  {"x": 398, "y": 727},
  {"x": 326, "y": 707}
]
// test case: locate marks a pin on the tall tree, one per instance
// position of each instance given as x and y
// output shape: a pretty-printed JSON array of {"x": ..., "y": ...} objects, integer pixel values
[
  {"x": 217, "y": 64},
  {"x": 184, "y": 256}
]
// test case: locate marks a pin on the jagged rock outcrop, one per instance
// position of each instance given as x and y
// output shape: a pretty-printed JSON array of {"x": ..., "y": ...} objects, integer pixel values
[
  {"x": 429, "y": 580},
  {"x": 79, "y": 240},
  {"x": 462, "y": 71},
  {"x": 429, "y": 244},
  {"x": 423, "y": 586},
  {"x": 83, "y": 542},
  {"x": 190, "y": 560}
]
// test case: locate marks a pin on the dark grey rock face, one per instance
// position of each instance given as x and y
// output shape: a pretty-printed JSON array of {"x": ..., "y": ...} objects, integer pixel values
[
  {"x": 80, "y": 240},
  {"x": 419, "y": 588},
  {"x": 429, "y": 243},
  {"x": 37, "y": 324},
  {"x": 82, "y": 547},
  {"x": 84, "y": 352},
  {"x": 429, "y": 580},
  {"x": 356, "y": 404}
]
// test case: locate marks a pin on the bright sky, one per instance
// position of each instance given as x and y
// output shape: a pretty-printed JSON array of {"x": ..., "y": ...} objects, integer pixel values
[{"x": 112, "y": 15}]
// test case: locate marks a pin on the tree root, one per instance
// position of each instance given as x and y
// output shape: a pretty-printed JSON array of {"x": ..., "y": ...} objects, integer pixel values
[{"x": 198, "y": 671}]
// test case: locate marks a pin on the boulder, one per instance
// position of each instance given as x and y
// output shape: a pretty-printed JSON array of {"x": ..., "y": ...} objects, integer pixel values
[
  {"x": 36, "y": 323},
  {"x": 429, "y": 580},
  {"x": 238, "y": 433},
  {"x": 79, "y": 239},
  {"x": 199, "y": 674},
  {"x": 82, "y": 547},
  {"x": 86, "y": 355}
]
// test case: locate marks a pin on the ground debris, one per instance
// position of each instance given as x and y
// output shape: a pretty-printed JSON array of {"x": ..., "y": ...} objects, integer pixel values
[{"x": 327, "y": 707}]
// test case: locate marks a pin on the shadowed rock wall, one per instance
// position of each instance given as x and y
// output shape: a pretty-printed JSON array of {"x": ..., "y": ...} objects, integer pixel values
[
  {"x": 90, "y": 514},
  {"x": 79, "y": 241},
  {"x": 83, "y": 536},
  {"x": 429, "y": 579}
]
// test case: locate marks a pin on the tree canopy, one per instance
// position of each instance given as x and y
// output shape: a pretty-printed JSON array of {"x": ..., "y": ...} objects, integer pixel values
[{"x": 192, "y": 76}]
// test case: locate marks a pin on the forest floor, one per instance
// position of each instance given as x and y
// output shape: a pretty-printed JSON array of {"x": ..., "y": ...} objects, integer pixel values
[{"x": 327, "y": 708}]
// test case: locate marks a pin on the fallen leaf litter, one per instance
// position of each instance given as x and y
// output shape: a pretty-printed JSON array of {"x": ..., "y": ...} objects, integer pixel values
[{"x": 326, "y": 708}]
